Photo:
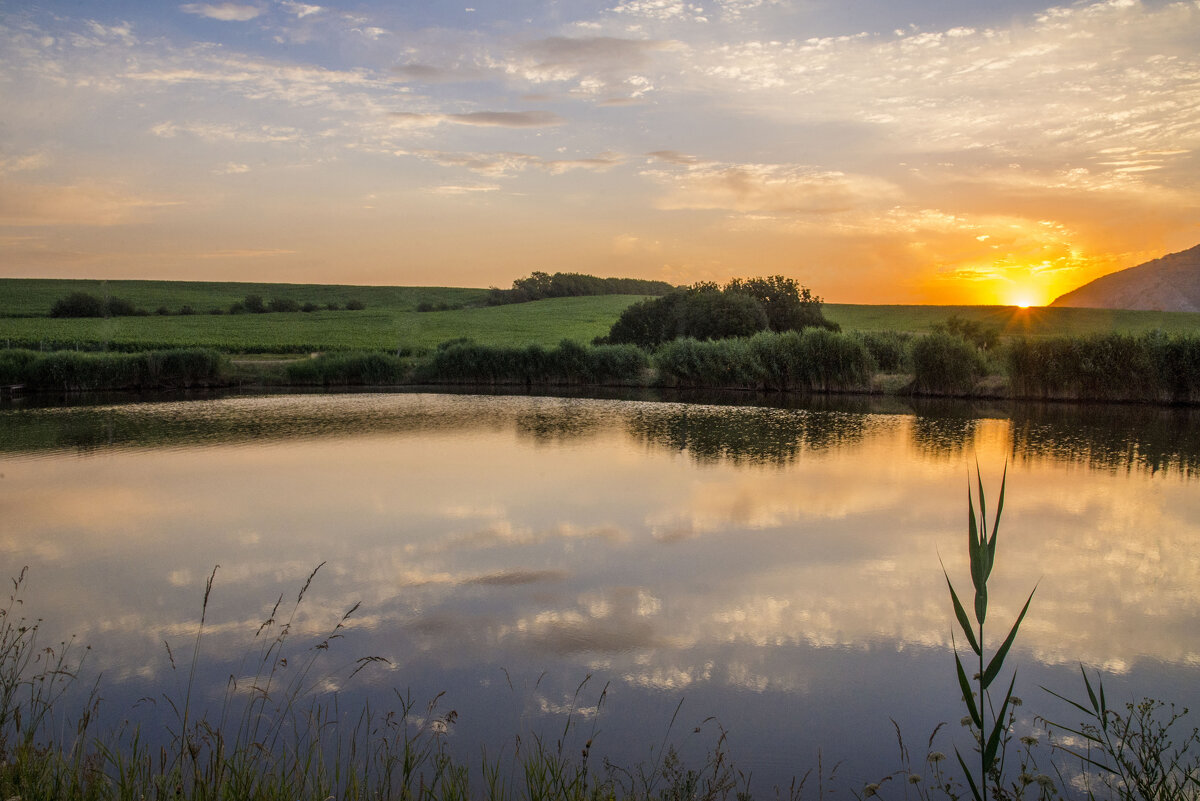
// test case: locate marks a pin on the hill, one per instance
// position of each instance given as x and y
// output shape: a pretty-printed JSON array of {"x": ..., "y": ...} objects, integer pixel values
[{"x": 1171, "y": 283}]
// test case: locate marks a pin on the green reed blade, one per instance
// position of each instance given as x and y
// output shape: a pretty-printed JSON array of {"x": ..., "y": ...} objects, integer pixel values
[
  {"x": 967, "y": 695},
  {"x": 994, "y": 666},
  {"x": 970, "y": 779},
  {"x": 981, "y": 604},
  {"x": 993, "y": 743},
  {"x": 1091, "y": 695},
  {"x": 999, "y": 509},
  {"x": 1076, "y": 704},
  {"x": 963, "y": 621}
]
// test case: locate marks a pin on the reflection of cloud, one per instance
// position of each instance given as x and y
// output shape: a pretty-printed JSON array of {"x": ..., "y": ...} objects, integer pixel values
[{"x": 515, "y": 578}]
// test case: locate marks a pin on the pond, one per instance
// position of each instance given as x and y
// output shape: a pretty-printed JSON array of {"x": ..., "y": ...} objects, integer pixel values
[{"x": 633, "y": 572}]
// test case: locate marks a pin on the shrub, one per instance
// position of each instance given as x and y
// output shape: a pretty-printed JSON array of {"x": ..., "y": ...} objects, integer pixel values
[
  {"x": 162, "y": 311},
  {"x": 355, "y": 305},
  {"x": 254, "y": 304},
  {"x": 309, "y": 307},
  {"x": 81, "y": 304},
  {"x": 283, "y": 305},
  {"x": 944, "y": 364},
  {"x": 186, "y": 310}
]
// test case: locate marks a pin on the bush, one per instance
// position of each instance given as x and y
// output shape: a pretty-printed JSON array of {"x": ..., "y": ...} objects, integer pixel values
[
  {"x": 78, "y": 304},
  {"x": 81, "y": 304},
  {"x": 283, "y": 305},
  {"x": 254, "y": 304},
  {"x": 944, "y": 364},
  {"x": 186, "y": 310},
  {"x": 355, "y": 305}
]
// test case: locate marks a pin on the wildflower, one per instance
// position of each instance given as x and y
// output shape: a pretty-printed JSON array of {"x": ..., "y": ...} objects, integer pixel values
[
  {"x": 1044, "y": 780},
  {"x": 914, "y": 778},
  {"x": 1015, "y": 701},
  {"x": 936, "y": 756},
  {"x": 966, "y": 721},
  {"x": 870, "y": 790},
  {"x": 1029, "y": 740}
]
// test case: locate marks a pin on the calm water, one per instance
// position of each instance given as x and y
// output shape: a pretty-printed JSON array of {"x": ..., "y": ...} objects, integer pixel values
[{"x": 777, "y": 569}]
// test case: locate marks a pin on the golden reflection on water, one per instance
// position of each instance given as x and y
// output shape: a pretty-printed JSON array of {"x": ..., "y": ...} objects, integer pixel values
[{"x": 666, "y": 544}]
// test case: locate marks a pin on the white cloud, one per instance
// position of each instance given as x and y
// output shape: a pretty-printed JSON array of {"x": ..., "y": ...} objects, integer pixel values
[
  {"x": 498, "y": 119},
  {"x": 301, "y": 10},
  {"x": 226, "y": 12}
]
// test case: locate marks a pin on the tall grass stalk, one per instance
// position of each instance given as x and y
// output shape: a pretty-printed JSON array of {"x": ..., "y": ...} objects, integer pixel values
[
  {"x": 989, "y": 733},
  {"x": 1138, "y": 754}
]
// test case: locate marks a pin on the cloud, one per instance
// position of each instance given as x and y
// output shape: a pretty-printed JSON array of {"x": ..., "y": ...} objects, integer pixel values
[
  {"x": 497, "y": 119},
  {"x": 771, "y": 188},
  {"x": 218, "y": 132},
  {"x": 500, "y": 164},
  {"x": 301, "y": 10},
  {"x": 81, "y": 204},
  {"x": 428, "y": 73},
  {"x": 226, "y": 12}
]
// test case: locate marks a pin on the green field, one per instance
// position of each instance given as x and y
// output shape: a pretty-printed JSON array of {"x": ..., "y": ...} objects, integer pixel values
[
  {"x": 390, "y": 320},
  {"x": 1013, "y": 320}
]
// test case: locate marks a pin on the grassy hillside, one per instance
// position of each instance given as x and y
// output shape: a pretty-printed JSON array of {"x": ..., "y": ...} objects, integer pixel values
[
  {"x": 390, "y": 319},
  {"x": 26, "y": 297}
]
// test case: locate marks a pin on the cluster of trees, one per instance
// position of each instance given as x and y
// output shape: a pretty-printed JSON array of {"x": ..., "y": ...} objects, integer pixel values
[
  {"x": 539, "y": 285},
  {"x": 741, "y": 308},
  {"x": 82, "y": 304}
]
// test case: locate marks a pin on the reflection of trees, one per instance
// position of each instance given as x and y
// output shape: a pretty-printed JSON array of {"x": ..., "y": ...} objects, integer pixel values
[
  {"x": 942, "y": 437},
  {"x": 739, "y": 434},
  {"x": 1109, "y": 437}
]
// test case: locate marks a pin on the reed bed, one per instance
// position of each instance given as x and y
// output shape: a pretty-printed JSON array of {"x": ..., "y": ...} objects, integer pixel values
[
  {"x": 815, "y": 360},
  {"x": 569, "y": 363},
  {"x": 1153, "y": 367},
  {"x": 71, "y": 371}
]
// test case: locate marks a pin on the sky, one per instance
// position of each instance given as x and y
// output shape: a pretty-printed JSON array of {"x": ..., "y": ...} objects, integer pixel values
[{"x": 884, "y": 151}]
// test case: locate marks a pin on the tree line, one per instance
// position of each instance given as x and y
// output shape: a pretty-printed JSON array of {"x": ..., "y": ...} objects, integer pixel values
[{"x": 539, "y": 286}]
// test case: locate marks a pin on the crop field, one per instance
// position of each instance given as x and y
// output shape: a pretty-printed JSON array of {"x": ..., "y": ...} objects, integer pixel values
[{"x": 390, "y": 320}]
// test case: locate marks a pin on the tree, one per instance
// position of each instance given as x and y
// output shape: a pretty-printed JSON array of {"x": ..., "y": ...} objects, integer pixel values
[{"x": 789, "y": 306}]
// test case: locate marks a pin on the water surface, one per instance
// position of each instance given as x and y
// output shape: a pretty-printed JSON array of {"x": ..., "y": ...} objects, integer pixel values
[{"x": 775, "y": 569}]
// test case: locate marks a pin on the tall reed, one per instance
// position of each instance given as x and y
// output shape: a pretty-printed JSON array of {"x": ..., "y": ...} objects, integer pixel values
[{"x": 990, "y": 734}]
